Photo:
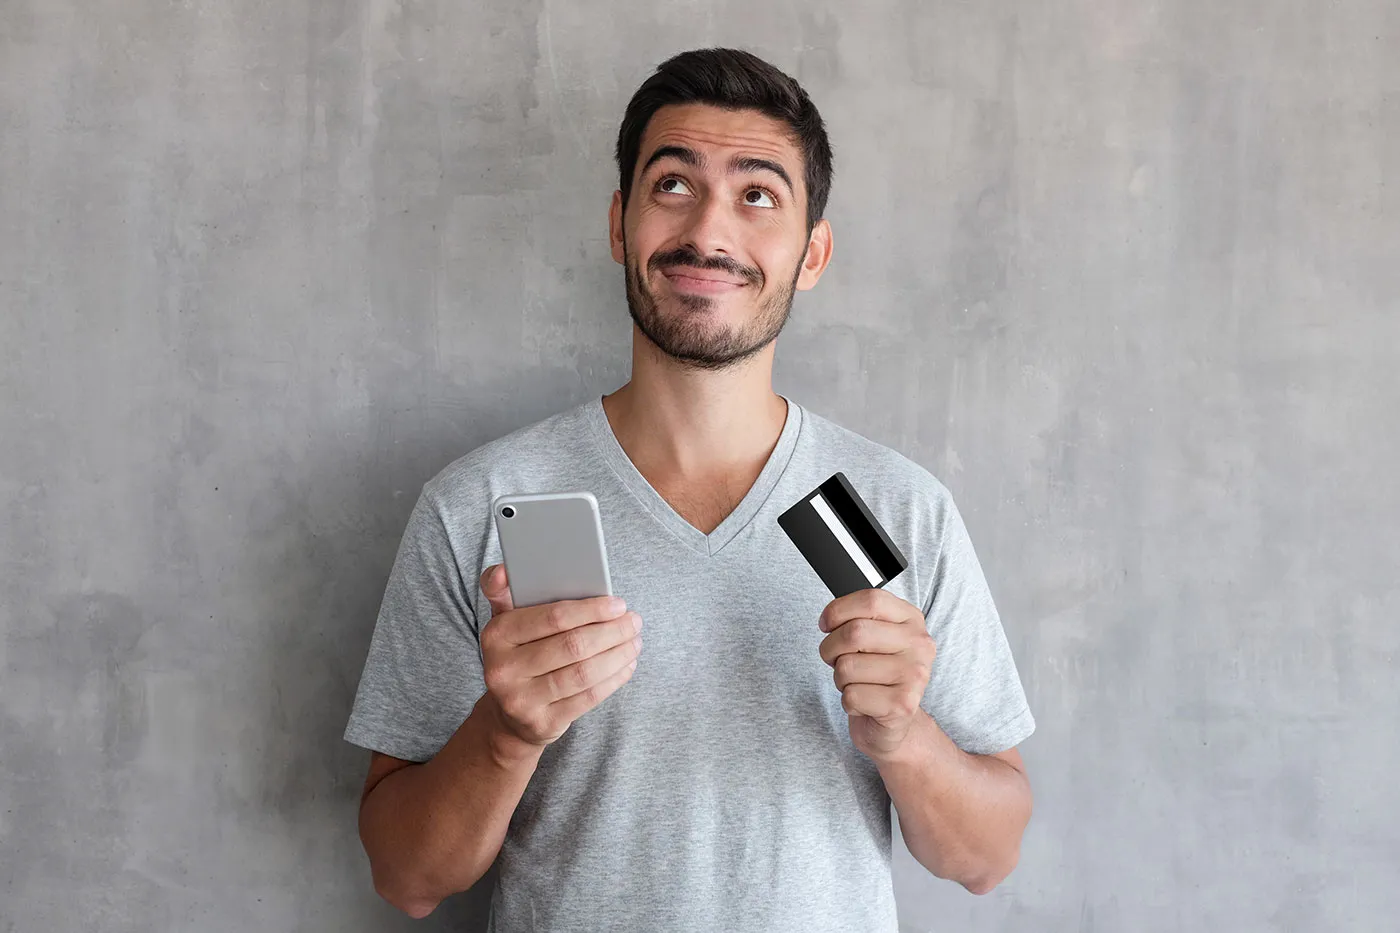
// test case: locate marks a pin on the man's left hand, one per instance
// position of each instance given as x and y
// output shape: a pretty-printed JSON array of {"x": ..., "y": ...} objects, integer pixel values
[{"x": 881, "y": 655}]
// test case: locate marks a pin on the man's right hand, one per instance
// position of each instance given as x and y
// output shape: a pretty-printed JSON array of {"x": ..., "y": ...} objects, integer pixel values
[{"x": 549, "y": 664}]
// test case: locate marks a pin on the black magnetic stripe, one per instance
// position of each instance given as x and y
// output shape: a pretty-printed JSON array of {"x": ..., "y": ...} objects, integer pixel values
[
  {"x": 851, "y": 509},
  {"x": 821, "y": 549}
]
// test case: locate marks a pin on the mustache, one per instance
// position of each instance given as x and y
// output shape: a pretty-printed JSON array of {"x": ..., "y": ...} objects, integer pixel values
[{"x": 685, "y": 257}]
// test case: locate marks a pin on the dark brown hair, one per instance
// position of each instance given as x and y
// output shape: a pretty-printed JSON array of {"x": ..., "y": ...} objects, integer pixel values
[{"x": 734, "y": 80}]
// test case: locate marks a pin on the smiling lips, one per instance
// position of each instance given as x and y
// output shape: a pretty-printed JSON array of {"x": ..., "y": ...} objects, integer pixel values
[{"x": 700, "y": 281}]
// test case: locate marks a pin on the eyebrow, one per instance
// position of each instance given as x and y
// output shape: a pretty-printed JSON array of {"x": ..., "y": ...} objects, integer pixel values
[{"x": 738, "y": 164}]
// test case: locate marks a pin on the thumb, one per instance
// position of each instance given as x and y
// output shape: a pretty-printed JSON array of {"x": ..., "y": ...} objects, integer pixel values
[{"x": 496, "y": 588}]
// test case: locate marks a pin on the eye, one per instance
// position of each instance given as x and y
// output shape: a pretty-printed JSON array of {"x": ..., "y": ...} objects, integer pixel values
[
  {"x": 672, "y": 184},
  {"x": 763, "y": 193},
  {"x": 668, "y": 184}
]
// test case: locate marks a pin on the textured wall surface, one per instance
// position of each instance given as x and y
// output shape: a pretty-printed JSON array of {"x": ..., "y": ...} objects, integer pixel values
[{"x": 1124, "y": 275}]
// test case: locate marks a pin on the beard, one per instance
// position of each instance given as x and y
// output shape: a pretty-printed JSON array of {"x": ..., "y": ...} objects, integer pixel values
[{"x": 687, "y": 333}]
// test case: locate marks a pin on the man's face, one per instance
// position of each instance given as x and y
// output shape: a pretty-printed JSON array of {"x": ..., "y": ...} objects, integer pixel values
[{"x": 714, "y": 248}]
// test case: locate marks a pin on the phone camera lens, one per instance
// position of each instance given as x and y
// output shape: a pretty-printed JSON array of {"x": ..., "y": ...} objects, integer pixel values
[{"x": 508, "y": 512}]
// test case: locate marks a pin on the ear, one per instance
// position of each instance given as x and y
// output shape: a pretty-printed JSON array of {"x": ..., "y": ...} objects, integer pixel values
[
  {"x": 819, "y": 247},
  {"x": 615, "y": 228}
]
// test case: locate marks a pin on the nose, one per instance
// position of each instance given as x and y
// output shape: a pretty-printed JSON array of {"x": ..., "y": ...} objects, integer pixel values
[{"x": 710, "y": 227}]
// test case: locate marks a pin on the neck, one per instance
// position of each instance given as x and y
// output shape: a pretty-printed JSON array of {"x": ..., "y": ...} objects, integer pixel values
[{"x": 696, "y": 424}]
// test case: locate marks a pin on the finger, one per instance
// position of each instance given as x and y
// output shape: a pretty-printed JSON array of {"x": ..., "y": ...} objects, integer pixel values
[
  {"x": 869, "y": 603},
  {"x": 600, "y": 676},
  {"x": 876, "y": 636},
  {"x": 876, "y": 701},
  {"x": 496, "y": 589},
  {"x": 533, "y": 623},
  {"x": 883, "y": 669},
  {"x": 551, "y": 654}
]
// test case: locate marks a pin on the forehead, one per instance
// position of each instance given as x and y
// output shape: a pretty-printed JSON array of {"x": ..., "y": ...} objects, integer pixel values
[{"x": 720, "y": 133}]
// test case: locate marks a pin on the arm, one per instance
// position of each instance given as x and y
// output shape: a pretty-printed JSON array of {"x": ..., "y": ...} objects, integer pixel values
[
  {"x": 961, "y": 815},
  {"x": 435, "y": 828}
]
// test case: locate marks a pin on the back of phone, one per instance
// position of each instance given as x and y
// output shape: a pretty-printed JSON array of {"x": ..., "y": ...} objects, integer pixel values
[{"x": 553, "y": 547}]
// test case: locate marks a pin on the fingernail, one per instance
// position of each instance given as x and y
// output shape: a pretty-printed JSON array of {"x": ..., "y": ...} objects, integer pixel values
[{"x": 617, "y": 604}]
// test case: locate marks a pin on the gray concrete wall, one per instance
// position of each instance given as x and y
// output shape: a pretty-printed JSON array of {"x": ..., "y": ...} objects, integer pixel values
[{"x": 1123, "y": 274}]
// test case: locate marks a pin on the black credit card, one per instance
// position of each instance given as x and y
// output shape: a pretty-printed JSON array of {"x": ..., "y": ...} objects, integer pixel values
[{"x": 846, "y": 546}]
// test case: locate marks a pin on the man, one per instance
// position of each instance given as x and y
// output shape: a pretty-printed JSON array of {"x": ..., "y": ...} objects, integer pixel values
[{"x": 736, "y": 772}]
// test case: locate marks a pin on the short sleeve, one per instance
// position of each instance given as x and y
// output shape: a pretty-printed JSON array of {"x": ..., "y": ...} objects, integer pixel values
[
  {"x": 974, "y": 692},
  {"x": 424, "y": 671}
]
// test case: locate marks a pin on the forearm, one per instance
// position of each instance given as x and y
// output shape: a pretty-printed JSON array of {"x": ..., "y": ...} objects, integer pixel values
[
  {"x": 961, "y": 815},
  {"x": 434, "y": 829}
]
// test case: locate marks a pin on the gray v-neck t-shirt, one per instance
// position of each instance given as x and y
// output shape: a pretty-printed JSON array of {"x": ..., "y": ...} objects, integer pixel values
[{"x": 718, "y": 789}]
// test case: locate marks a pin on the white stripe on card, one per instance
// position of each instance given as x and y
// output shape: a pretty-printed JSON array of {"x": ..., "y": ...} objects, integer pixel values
[{"x": 853, "y": 550}]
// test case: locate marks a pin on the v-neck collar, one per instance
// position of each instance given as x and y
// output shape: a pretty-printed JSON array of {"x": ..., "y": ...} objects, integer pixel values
[{"x": 708, "y": 544}]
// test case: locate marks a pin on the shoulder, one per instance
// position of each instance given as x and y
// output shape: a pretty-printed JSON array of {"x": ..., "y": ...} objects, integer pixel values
[
  {"x": 539, "y": 455},
  {"x": 469, "y": 482},
  {"x": 913, "y": 504},
  {"x": 885, "y": 465}
]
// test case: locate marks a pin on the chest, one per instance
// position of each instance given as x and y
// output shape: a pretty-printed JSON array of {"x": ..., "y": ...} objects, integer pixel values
[{"x": 706, "y": 503}]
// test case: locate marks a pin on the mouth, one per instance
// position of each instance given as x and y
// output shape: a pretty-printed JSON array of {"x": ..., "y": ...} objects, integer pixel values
[{"x": 700, "y": 281}]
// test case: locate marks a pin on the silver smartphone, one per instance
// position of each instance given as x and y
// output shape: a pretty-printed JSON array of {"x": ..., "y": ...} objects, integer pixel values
[{"x": 552, "y": 544}]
